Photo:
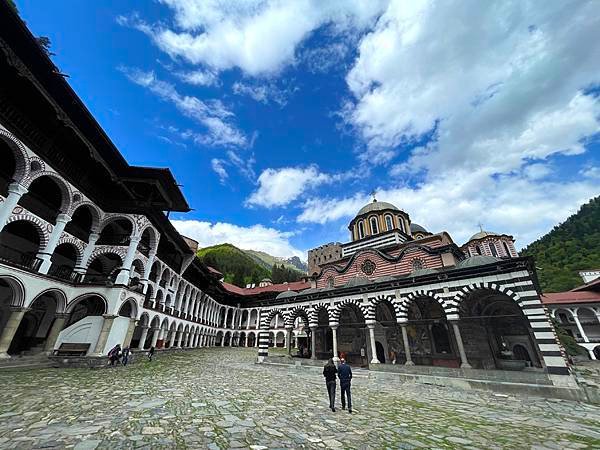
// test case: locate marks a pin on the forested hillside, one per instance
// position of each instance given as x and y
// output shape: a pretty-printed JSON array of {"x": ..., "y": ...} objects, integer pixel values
[
  {"x": 237, "y": 267},
  {"x": 570, "y": 247},
  {"x": 241, "y": 268}
]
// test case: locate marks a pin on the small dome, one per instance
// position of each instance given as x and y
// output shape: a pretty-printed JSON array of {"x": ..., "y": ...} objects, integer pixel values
[
  {"x": 357, "y": 281},
  {"x": 376, "y": 206},
  {"x": 416, "y": 228},
  {"x": 309, "y": 291},
  {"x": 477, "y": 260},
  {"x": 419, "y": 272},
  {"x": 483, "y": 234},
  {"x": 266, "y": 280},
  {"x": 286, "y": 294}
]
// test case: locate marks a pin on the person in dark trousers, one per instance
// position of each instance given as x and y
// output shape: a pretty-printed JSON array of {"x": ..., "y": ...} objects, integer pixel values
[
  {"x": 125, "y": 356},
  {"x": 114, "y": 354},
  {"x": 345, "y": 376},
  {"x": 329, "y": 372},
  {"x": 150, "y": 353}
]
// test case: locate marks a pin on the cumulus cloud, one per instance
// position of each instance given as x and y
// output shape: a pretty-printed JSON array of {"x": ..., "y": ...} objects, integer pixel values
[
  {"x": 257, "y": 36},
  {"x": 278, "y": 187},
  {"x": 212, "y": 114},
  {"x": 495, "y": 82},
  {"x": 255, "y": 237},
  {"x": 456, "y": 203}
]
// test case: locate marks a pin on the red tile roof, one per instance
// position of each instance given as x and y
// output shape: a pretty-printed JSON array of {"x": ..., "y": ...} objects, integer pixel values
[{"x": 570, "y": 297}]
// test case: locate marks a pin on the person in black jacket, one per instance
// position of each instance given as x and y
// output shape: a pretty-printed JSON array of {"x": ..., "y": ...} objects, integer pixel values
[
  {"x": 345, "y": 375},
  {"x": 329, "y": 372}
]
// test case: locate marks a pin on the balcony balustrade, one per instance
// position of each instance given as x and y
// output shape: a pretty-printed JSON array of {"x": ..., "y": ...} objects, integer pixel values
[{"x": 25, "y": 260}]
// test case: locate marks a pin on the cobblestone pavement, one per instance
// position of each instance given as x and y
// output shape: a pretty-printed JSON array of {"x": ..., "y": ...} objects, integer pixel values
[{"x": 217, "y": 398}]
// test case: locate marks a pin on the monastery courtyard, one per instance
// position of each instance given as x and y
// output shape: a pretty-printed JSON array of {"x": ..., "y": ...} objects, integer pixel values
[{"x": 218, "y": 398}]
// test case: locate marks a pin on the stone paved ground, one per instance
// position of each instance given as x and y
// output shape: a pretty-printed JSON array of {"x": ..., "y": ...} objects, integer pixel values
[{"x": 217, "y": 398}]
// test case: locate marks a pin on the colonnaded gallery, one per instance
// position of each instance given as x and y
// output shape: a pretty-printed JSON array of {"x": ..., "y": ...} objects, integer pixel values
[{"x": 89, "y": 259}]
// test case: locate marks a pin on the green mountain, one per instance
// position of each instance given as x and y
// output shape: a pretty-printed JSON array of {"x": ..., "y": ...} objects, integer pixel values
[
  {"x": 572, "y": 246},
  {"x": 242, "y": 267},
  {"x": 237, "y": 267},
  {"x": 268, "y": 261}
]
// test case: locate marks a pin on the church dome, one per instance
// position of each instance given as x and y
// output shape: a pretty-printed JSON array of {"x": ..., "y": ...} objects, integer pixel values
[
  {"x": 416, "y": 228},
  {"x": 376, "y": 206},
  {"x": 287, "y": 294},
  {"x": 482, "y": 234},
  {"x": 477, "y": 260}
]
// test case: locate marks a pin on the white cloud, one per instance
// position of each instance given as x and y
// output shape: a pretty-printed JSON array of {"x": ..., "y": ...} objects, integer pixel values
[
  {"x": 512, "y": 204},
  {"x": 255, "y": 237},
  {"x": 217, "y": 167},
  {"x": 263, "y": 93},
  {"x": 498, "y": 82},
  {"x": 592, "y": 172},
  {"x": 199, "y": 78},
  {"x": 212, "y": 114},
  {"x": 278, "y": 187},
  {"x": 257, "y": 36}
]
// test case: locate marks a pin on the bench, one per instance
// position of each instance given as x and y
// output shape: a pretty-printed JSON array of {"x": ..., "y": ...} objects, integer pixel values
[{"x": 72, "y": 349}]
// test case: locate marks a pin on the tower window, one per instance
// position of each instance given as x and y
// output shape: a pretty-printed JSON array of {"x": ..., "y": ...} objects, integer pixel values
[
  {"x": 401, "y": 222},
  {"x": 389, "y": 223},
  {"x": 493, "y": 249},
  {"x": 361, "y": 229},
  {"x": 478, "y": 249},
  {"x": 506, "y": 249},
  {"x": 374, "y": 227}
]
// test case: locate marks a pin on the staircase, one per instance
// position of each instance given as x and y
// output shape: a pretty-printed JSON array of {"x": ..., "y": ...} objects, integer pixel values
[{"x": 28, "y": 360}]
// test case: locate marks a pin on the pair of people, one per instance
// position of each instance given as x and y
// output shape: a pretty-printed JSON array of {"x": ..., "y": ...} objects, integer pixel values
[
  {"x": 116, "y": 355},
  {"x": 344, "y": 373}
]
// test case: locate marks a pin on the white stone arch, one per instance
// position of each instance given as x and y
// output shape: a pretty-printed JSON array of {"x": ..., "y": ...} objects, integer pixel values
[
  {"x": 334, "y": 314},
  {"x": 269, "y": 316},
  {"x": 59, "y": 296},
  {"x": 64, "y": 187},
  {"x": 76, "y": 243},
  {"x": 113, "y": 217},
  {"x": 18, "y": 289},
  {"x": 144, "y": 319},
  {"x": 134, "y": 307},
  {"x": 465, "y": 291},
  {"x": 102, "y": 250},
  {"x": 73, "y": 302},
  {"x": 371, "y": 308},
  {"x": 20, "y": 155},
  {"x": 42, "y": 227},
  {"x": 405, "y": 302},
  {"x": 297, "y": 312},
  {"x": 97, "y": 214},
  {"x": 154, "y": 236}
]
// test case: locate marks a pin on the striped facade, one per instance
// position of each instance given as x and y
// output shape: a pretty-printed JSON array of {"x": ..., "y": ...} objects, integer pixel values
[{"x": 517, "y": 284}]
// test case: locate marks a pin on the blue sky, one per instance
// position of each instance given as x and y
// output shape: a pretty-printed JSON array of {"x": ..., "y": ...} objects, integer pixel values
[{"x": 279, "y": 117}]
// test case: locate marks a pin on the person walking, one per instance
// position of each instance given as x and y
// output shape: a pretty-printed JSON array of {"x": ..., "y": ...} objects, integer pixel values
[
  {"x": 125, "y": 356},
  {"x": 345, "y": 376},
  {"x": 114, "y": 354},
  {"x": 329, "y": 372},
  {"x": 150, "y": 353}
]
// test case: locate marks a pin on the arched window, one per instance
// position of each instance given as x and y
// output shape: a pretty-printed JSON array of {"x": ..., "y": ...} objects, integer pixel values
[
  {"x": 478, "y": 249},
  {"x": 401, "y": 222},
  {"x": 361, "y": 229},
  {"x": 389, "y": 223},
  {"x": 374, "y": 225},
  {"x": 506, "y": 248},
  {"x": 493, "y": 249}
]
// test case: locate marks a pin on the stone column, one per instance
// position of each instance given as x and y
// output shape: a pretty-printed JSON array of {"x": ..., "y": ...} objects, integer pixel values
[
  {"x": 57, "y": 327},
  {"x": 313, "y": 342},
  {"x": 87, "y": 252},
  {"x": 179, "y": 338},
  {"x": 143, "y": 338},
  {"x": 335, "y": 347},
  {"x": 461, "y": 348},
  {"x": 374, "y": 359},
  {"x": 155, "y": 333},
  {"x": 409, "y": 361},
  {"x": 15, "y": 192},
  {"x": 130, "y": 330},
  {"x": 125, "y": 271},
  {"x": 46, "y": 254},
  {"x": 172, "y": 341},
  {"x": 223, "y": 341},
  {"x": 104, "y": 332},
  {"x": 16, "y": 315},
  {"x": 288, "y": 340},
  {"x": 579, "y": 327}
]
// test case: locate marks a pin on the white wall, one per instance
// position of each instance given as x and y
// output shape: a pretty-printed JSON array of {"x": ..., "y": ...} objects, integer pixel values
[{"x": 86, "y": 330}]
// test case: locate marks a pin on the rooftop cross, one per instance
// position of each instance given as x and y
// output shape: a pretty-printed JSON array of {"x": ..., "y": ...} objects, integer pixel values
[
  {"x": 480, "y": 227},
  {"x": 373, "y": 194}
]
